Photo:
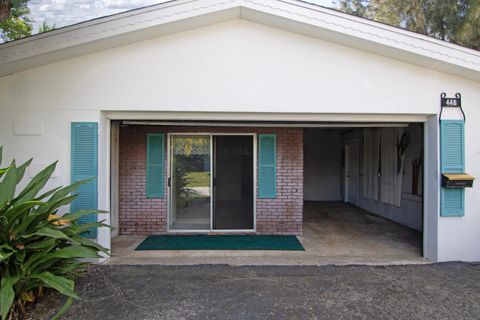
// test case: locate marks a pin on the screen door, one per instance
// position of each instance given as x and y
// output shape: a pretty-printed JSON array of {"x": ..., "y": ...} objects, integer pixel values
[{"x": 233, "y": 179}]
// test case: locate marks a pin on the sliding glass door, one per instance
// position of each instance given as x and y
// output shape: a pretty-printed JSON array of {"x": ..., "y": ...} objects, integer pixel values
[
  {"x": 212, "y": 182},
  {"x": 190, "y": 187}
]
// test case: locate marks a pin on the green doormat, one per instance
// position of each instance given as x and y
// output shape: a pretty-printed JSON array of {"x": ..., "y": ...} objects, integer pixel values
[{"x": 221, "y": 242}]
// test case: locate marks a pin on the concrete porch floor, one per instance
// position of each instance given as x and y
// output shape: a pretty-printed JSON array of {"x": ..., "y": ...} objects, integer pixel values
[{"x": 333, "y": 233}]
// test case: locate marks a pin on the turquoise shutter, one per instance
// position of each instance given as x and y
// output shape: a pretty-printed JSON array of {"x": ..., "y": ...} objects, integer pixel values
[
  {"x": 267, "y": 166},
  {"x": 155, "y": 165},
  {"x": 84, "y": 165},
  {"x": 452, "y": 150},
  {"x": 453, "y": 201}
]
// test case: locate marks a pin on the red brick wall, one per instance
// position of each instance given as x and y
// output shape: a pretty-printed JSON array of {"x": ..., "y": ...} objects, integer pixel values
[
  {"x": 137, "y": 214},
  {"x": 140, "y": 216},
  {"x": 283, "y": 215}
]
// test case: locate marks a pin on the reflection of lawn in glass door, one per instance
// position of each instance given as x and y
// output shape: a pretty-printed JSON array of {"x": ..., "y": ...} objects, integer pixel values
[
  {"x": 194, "y": 203},
  {"x": 190, "y": 183},
  {"x": 198, "y": 179}
]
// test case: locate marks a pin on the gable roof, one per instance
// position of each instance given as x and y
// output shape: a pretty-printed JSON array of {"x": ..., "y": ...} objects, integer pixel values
[{"x": 291, "y": 15}]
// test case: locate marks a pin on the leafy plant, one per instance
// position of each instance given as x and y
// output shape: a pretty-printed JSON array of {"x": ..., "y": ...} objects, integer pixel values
[
  {"x": 15, "y": 22},
  {"x": 39, "y": 248},
  {"x": 455, "y": 21},
  {"x": 45, "y": 27},
  {"x": 18, "y": 25},
  {"x": 6, "y": 7},
  {"x": 182, "y": 191}
]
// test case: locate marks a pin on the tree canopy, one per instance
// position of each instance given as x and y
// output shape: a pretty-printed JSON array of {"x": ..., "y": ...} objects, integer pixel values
[
  {"x": 17, "y": 25},
  {"x": 15, "y": 20},
  {"x": 456, "y": 21}
]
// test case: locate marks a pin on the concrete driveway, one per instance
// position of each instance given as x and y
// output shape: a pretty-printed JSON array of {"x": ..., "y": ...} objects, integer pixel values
[{"x": 434, "y": 291}]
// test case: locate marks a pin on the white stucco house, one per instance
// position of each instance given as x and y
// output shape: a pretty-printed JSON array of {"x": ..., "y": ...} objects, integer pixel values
[{"x": 272, "y": 102}]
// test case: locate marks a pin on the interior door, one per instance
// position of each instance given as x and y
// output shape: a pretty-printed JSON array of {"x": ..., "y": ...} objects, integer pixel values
[
  {"x": 233, "y": 183},
  {"x": 351, "y": 174}
]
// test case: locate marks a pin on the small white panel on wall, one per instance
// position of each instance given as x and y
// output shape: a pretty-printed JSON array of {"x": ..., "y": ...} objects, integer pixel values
[
  {"x": 35, "y": 168},
  {"x": 28, "y": 128}
]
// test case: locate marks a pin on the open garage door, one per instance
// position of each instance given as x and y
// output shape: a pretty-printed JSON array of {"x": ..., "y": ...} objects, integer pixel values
[{"x": 363, "y": 189}]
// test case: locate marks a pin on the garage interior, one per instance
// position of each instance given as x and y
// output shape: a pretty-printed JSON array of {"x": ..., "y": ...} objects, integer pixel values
[
  {"x": 363, "y": 202},
  {"x": 363, "y": 190}
]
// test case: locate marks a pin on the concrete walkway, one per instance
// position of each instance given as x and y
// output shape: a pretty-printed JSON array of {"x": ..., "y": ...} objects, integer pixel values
[
  {"x": 434, "y": 291},
  {"x": 333, "y": 233}
]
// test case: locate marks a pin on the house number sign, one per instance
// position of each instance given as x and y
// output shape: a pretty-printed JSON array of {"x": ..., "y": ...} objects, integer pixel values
[{"x": 451, "y": 102}]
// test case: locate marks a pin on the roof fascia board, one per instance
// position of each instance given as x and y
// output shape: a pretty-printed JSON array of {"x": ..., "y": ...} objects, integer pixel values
[
  {"x": 428, "y": 59},
  {"x": 115, "y": 30},
  {"x": 365, "y": 35}
]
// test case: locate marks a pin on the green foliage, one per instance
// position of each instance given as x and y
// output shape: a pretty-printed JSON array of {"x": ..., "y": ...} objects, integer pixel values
[
  {"x": 181, "y": 179},
  {"x": 198, "y": 179},
  {"x": 6, "y": 7},
  {"x": 17, "y": 24},
  {"x": 469, "y": 33},
  {"x": 39, "y": 248},
  {"x": 45, "y": 27},
  {"x": 355, "y": 7},
  {"x": 457, "y": 21},
  {"x": 445, "y": 18}
]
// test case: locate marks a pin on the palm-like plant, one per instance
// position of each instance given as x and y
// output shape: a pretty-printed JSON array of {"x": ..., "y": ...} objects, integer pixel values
[
  {"x": 45, "y": 27},
  {"x": 38, "y": 247}
]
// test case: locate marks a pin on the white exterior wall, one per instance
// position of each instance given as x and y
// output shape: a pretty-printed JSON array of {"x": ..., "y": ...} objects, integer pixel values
[{"x": 241, "y": 67}]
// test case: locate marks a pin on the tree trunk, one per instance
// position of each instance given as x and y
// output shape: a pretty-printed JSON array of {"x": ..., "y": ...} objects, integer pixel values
[{"x": 4, "y": 11}]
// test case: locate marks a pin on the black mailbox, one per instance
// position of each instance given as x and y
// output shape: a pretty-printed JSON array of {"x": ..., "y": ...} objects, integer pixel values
[{"x": 457, "y": 180}]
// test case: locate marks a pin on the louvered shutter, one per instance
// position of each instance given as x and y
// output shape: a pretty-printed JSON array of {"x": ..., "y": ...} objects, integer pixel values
[
  {"x": 84, "y": 165},
  {"x": 267, "y": 166},
  {"x": 452, "y": 149},
  {"x": 155, "y": 165}
]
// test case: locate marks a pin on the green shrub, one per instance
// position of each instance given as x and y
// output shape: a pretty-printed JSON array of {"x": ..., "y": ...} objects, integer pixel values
[{"x": 38, "y": 248}]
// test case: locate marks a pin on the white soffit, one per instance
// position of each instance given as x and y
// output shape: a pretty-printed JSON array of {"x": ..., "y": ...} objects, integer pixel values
[
  {"x": 291, "y": 15},
  {"x": 256, "y": 124}
]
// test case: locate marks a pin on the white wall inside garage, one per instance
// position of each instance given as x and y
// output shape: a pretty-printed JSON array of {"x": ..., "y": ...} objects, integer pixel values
[
  {"x": 410, "y": 212},
  {"x": 323, "y": 174},
  {"x": 242, "y": 67}
]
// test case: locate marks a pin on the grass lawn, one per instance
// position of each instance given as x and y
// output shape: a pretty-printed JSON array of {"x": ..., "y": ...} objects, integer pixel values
[{"x": 198, "y": 179}]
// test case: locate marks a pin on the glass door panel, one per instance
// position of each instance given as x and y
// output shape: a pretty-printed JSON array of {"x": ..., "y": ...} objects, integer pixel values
[{"x": 190, "y": 182}]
